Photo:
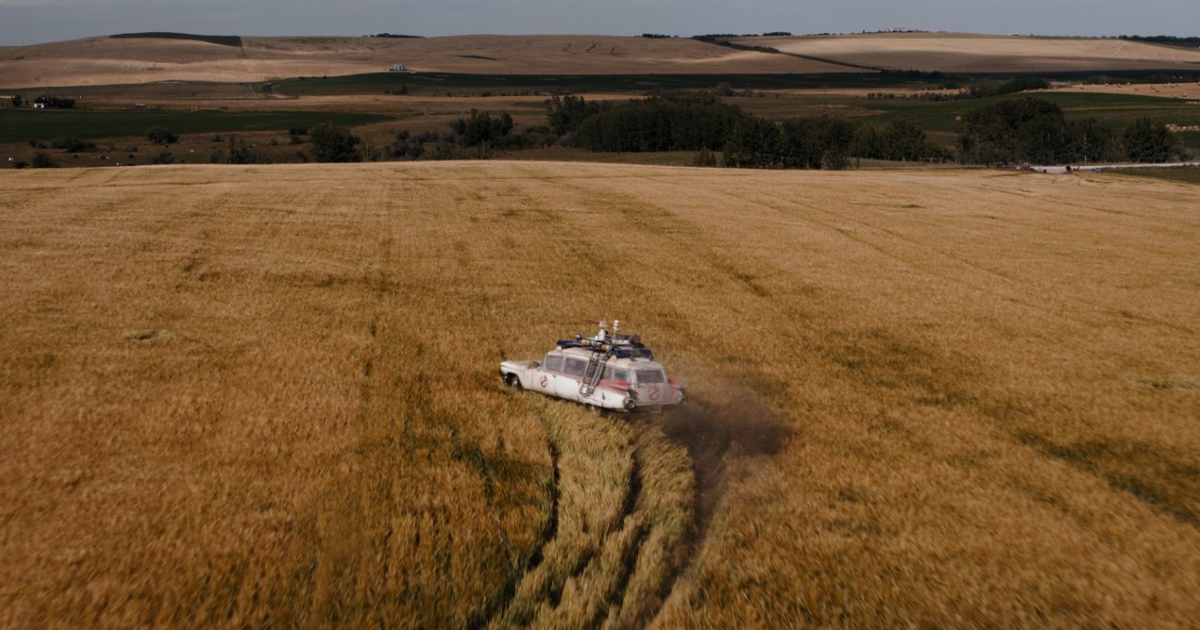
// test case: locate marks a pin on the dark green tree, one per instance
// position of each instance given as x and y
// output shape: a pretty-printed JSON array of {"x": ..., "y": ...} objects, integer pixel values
[
  {"x": 481, "y": 129},
  {"x": 333, "y": 143},
  {"x": 1042, "y": 140},
  {"x": 822, "y": 142},
  {"x": 1014, "y": 130},
  {"x": 565, "y": 114},
  {"x": 904, "y": 139},
  {"x": 754, "y": 143},
  {"x": 867, "y": 143},
  {"x": 665, "y": 123},
  {"x": 1146, "y": 140},
  {"x": 1091, "y": 141}
]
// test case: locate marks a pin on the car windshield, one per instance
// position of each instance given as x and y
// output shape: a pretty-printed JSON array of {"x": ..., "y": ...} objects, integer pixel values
[{"x": 650, "y": 377}]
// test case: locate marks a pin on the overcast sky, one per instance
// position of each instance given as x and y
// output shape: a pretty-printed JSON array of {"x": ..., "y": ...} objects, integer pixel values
[{"x": 37, "y": 21}]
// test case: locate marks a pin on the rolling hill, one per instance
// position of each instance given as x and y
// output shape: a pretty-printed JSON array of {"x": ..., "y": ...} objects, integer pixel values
[
  {"x": 111, "y": 60},
  {"x": 161, "y": 57},
  {"x": 967, "y": 53}
]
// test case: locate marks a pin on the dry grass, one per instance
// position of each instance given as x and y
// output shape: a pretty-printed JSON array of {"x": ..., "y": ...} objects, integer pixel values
[
  {"x": 102, "y": 61},
  {"x": 1164, "y": 90},
  {"x": 105, "y": 61},
  {"x": 268, "y": 396},
  {"x": 961, "y": 52}
]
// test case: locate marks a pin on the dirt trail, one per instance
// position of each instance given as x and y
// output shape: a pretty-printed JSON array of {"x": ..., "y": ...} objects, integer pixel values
[{"x": 621, "y": 577}]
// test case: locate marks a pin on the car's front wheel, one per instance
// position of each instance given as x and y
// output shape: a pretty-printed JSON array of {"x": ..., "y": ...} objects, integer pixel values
[{"x": 512, "y": 381}]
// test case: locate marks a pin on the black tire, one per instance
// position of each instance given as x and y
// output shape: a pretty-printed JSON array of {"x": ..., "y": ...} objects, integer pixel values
[{"x": 512, "y": 381}]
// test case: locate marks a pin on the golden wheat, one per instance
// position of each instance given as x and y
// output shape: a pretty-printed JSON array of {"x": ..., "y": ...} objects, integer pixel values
[{"x": 267, "y": 396}]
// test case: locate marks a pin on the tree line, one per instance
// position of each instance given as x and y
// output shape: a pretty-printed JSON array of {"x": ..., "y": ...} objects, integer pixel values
[
  {"x": 1036, "y": 131},
  {"x": 1009, "y": 131},
  {"x": 47, "y": 101},
  {"x": 704, "y": 123}
]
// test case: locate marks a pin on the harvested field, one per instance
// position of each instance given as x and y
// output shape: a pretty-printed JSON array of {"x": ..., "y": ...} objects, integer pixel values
[
  {"x": 1164, "y": 90},
  {"x": 108, "y": 61},
  {"x": 268, "y": 396},
  {"x": 960, "y": 52}
]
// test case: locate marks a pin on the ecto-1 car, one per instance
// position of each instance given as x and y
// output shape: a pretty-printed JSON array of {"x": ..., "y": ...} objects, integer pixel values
[{"x": 608, "y": 371}]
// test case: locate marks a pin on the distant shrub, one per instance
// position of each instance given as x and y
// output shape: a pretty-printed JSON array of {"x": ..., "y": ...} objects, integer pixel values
[
  {"x": 41, "y": 159},
  {"x": 242, "y": 153},
  {"x": 407, "y": 146},
  {"x": 161, "y": 135},
  {"x": 71, "y": 144}
]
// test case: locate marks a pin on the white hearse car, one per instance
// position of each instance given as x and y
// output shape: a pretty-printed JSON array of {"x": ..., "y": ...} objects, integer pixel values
[{"x": 608, "y": 371}]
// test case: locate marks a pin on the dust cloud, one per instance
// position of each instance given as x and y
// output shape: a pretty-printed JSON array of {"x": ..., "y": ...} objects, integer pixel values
[{"x": 716, "y": 434}]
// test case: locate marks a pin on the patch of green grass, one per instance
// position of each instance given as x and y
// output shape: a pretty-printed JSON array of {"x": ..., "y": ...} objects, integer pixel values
[
  {"x": 442, "y": 81},
  {"x": 17, "y": 125},
  {"x": 1186, "y": 174},
  {"x": 1113, "y": 109},
  {"x": 1191, "y": 139}
]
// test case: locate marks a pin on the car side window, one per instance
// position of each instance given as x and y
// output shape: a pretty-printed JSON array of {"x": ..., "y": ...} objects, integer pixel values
[
  {"x": 553, "y": 363},
  {"x": 576, "y": 367},
  {"x": 611, "y": 374}
]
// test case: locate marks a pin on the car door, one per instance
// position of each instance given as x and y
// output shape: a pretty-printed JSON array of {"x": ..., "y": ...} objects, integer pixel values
[
  {"x": 571, "y": 379},
  {"x": 546, "y": 376}
]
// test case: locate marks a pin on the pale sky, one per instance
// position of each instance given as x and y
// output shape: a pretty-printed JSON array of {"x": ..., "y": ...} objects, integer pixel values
[{"x": 38, "y": 21}]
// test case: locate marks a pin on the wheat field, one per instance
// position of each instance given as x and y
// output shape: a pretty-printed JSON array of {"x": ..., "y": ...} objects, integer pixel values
[
  {"x": 976, "y": 53},
  {"x": 108, "y": 61},
  {"x": 268, "y": 397}
]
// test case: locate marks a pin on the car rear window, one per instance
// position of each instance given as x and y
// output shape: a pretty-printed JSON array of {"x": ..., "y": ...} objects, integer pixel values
[{"x": 651, "y": 377}]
